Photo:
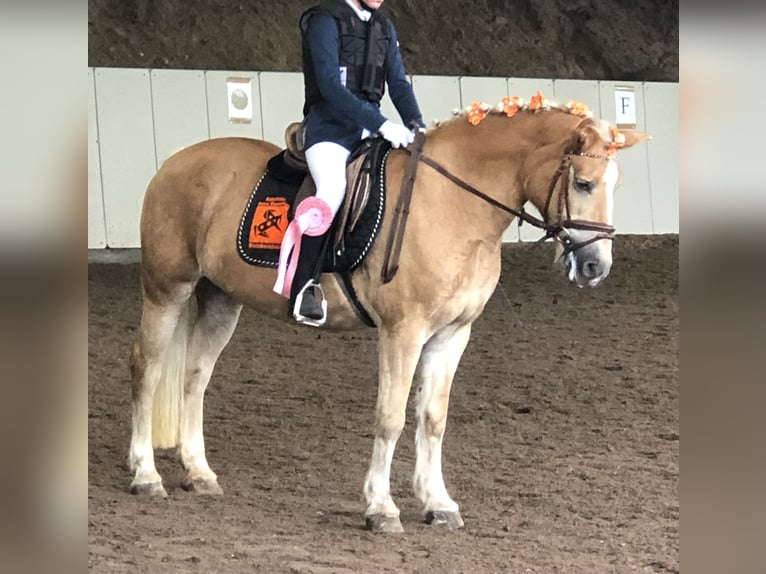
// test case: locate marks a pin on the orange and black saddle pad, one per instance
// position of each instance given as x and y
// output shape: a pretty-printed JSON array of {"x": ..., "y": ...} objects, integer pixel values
[
  {"x": 270, "y": 209},
  {"x": 268, "y": 212}
]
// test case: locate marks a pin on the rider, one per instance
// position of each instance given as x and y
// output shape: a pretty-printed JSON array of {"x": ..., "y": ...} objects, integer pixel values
[{"x": 349, "y": 52}]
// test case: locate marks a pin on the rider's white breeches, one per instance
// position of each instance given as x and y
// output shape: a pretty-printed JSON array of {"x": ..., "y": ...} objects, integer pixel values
[{"x": 327, "y": 163}]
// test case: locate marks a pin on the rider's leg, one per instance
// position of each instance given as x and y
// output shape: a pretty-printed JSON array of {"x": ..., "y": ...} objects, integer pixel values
[{"x": 327, "y": 163}]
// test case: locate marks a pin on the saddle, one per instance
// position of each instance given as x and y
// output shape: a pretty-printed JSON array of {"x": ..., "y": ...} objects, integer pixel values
[{"x": 286, "y": 182}]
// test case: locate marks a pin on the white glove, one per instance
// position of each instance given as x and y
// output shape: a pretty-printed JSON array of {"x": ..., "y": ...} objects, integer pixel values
[{"x": 397, "y": 134}]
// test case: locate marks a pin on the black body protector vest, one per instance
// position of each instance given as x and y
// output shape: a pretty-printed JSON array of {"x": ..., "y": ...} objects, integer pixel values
[{"x": 362, "y": 53}]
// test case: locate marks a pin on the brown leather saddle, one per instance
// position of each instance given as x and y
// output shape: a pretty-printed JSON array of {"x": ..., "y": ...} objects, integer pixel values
[
  {"x": 360, "y": 173},
  {"x": 287, "y": 182}
]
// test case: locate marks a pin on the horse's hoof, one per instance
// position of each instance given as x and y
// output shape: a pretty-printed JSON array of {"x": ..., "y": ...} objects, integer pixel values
[
  {"x": 202, "y": 486},
  {"x": 382, "y": 523},
  {"x": 451, "y": 520},
  {"x": 149, "y": 489}
]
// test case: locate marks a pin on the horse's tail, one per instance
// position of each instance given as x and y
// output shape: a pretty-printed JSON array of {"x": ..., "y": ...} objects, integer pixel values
[{"x": 168, "y": 402}]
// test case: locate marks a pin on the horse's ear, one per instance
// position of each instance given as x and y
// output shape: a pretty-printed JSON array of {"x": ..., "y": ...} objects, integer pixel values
[
  {"x": 583, "y": 138},
  {"x": 632, "y": 137},
  {"x": 587, "y": 136}
]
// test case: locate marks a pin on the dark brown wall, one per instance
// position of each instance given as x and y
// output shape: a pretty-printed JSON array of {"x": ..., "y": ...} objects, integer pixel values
[{"x": 580, "y": 39}]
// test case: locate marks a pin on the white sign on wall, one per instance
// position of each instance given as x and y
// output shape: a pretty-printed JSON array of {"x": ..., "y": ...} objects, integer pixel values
[
  {"x": 625, "y": 106},
  {"x": 240, "y": 99}
]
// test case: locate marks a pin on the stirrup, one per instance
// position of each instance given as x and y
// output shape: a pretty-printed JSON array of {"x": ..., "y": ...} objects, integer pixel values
[{"x": 299, "y": 299}]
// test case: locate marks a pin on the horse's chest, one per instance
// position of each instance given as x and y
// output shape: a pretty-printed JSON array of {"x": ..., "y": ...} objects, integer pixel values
[{"x": 473, "y": 292}]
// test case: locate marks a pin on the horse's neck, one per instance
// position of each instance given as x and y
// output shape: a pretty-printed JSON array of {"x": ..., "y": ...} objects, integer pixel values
[
  {"x": 484, "y": 157},
  {"x": 494, "y": 156}
]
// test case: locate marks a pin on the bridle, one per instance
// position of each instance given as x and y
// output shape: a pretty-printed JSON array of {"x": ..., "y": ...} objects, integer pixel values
[{"x": 558, "y": 230}]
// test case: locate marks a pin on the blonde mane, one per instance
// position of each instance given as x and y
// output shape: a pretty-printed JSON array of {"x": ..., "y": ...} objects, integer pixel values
[{"x": 476, "y": 112}]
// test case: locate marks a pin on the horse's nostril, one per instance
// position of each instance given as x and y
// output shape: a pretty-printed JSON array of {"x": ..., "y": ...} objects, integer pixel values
[{"x": 591, "y": 269}]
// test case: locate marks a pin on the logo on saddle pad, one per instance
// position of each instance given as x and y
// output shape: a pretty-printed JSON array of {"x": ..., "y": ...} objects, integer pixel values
[
  {"x": 269, "y": 223},
  {"x": 270, "y": 209}
]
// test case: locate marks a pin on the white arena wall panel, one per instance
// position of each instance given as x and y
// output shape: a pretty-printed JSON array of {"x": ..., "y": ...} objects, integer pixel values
[
  {"x": 437, "y": 96},
  {"x": 387, "y": 107},
  {"x": 96, "y": 223},
  {"x": 281, "y": 103},
  {"x": 126, "y": 141},
  {"x": 584, "y": 91},
  {"x": 632, "y": 201},
  {"x": 528, "y": 87},
  {"x": 482, "y": 89},
  {"x": 138, "y": 117},
  {"x": 662, "y": 121},
  {"x": 179, "y": 103}
]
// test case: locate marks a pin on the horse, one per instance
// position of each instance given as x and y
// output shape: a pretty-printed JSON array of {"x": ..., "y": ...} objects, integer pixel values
[{"x": 475, "y": 173}]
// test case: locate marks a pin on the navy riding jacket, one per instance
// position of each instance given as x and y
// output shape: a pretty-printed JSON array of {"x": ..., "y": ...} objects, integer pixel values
[{"x": 340, "y": 115}]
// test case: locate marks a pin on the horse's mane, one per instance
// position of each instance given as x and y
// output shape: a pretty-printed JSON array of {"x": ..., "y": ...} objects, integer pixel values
[{"x": 510, "y": 106}]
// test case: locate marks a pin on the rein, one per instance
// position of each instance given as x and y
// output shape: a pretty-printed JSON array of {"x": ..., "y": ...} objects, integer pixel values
[
  {"x": 558, "y": 230},
  {"x": 401, "y": 211}
]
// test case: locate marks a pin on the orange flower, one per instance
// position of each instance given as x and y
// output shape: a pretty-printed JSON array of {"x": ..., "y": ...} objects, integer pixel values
[
  {"x": 618, "y": 141},
  {"x": 476, "y": 113},
  {"x": 537, "y": 101},
  {"x": 511, "y": 106},
  {"x": 577, "y": 108}
]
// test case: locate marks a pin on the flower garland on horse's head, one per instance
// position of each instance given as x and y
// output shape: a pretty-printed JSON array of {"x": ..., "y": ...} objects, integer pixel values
[{"x": 478, "y": 111}]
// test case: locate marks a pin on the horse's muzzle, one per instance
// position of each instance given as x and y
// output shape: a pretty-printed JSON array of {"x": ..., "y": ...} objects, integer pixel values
[{"x": 588, "y": 265}]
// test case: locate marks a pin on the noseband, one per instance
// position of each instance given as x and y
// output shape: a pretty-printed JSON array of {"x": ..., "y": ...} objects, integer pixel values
[{"x": 558, "y": 230}]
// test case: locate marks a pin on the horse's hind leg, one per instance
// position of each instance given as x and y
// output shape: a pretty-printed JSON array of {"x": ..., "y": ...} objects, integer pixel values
[
  {"x": 399, "y": 351},
  {"x": 158, "y": 335},
  {"x": 217, "y": 316},
  {"x": 438, "y": 363}
]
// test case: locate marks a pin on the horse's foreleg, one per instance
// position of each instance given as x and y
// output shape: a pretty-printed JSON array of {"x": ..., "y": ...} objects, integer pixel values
[
  {"x": 438, "y": 364},
  {"x": 399, "y": 352},
  {"x": 217, "y": 316},
  {"x": 158, "y": 326}
]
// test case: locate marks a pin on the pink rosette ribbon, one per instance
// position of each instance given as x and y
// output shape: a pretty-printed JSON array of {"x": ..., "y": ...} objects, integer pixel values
[{"x": 313, "y": 217}]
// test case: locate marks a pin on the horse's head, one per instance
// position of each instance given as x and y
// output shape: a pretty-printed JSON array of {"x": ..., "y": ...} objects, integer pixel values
[{"x": 573, "y": 187}]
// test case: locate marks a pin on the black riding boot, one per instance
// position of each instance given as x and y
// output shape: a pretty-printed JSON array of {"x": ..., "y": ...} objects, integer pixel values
[{"x": 308, "y": 263}]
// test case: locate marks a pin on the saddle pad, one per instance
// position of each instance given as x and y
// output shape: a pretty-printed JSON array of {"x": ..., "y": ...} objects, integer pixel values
[
  {"x": 270, "y": 209},
  {"x": 268, "y": 212}
]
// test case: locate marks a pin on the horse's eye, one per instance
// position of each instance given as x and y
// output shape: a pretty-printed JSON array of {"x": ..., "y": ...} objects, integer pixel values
[{"x": 583, "y": 185}]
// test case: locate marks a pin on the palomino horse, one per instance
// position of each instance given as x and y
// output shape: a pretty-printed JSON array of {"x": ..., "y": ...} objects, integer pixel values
[{"x": 554, "y": 156}]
